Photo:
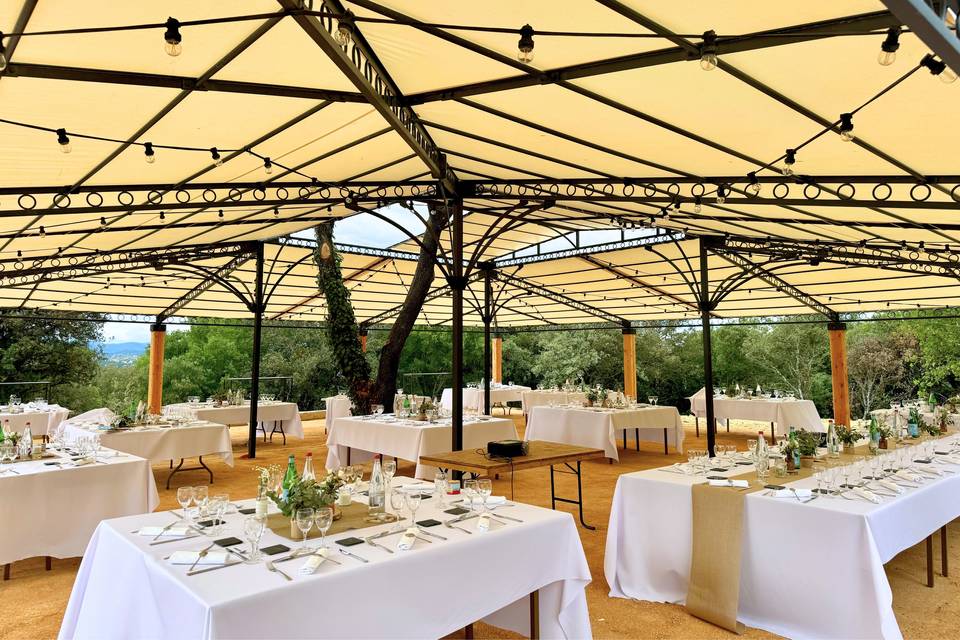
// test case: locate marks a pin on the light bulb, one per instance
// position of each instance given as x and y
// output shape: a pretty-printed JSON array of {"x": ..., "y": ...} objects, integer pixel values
[
  {"x": 525, "y": 45},
  {"x": 708, "y": 51},
  {"x": 3, "y": 59},
  {"x": 886, "y": 58},
  {"x": 947, "y": 76},
  {"x": 709, "y": 61},
  {"x": 525, "y": 57},
  {"x": 721, "y": 194},
  {"x": 697, "y": 207},
  {"x": 847, "y": 136},
  {"x": 172, "y": 38},
  {"x": 148, "y": 153},
  {"x": 267, "y": 166},
  {"x": 64, "y": 141},
  {"x": 787, "y": 170},
  {"x": 846, "y": 126},
  {"x": 217, "y": 160},
  {"x": 344, "y": 33},
  {"x": 754, "y": 188},
  {"x": 790, "y": 157},
  {"x": 889, "y": 46}
]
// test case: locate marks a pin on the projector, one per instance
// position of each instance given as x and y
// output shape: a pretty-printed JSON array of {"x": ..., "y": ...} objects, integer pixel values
[{"x": 507, "y": 448}]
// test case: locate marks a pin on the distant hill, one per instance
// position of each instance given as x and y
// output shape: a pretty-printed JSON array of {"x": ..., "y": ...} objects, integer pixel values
[{"x": 122, "y": 353}]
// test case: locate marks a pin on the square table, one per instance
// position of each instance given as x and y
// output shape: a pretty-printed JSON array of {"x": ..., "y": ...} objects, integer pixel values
[
  {"x": 124, "y": 588},
  {"x": 408, "y": 439},
  {"x": 811, "y": 570},
  {"x": 597, "y": 427},
  {"x": 46, "y": 510},
  {"x": 539, "y": 454},
  {"x": 284, "y": 415},
  {"x": 159, "y": 443}
]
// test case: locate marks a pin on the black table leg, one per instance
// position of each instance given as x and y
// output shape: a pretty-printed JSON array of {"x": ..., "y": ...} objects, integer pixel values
[
  {"x": 666, "y": 450},
  {"x": 636, "y": 439},
  {"x": 348, "y": 456},
  {"x": 579, "y": 501},
  {"x": 180, "y": 467},
  {"x": 624, "y": 438}
]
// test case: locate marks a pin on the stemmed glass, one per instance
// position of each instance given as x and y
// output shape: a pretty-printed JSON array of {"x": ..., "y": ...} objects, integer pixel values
[
  {"x": 413, "y": 499},
  {"x": 377, "y": 409},
  {"x": 185, "y": 497},
  {"x": 324, "y": 519},
  {"x": 441, "y": 487},
  {"x": 200, "y": 498},
  {"x": 396, "y": 503},
  {"x": 653, "y": 400},
  {"x": 253, "y": 530},
  {"x": 470, "y": 491},
  {"x": 484, "y": 488},
  {"x": 389, "y": 470},
  {"x": 304, "y": 518},
  {"x": 218, "y": 505}
]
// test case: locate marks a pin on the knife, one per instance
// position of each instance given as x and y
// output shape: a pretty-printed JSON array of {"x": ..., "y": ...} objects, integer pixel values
[{"x": 213, "y": 568}]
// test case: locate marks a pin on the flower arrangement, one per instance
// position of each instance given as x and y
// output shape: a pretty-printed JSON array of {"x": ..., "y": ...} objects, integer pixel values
[
  {"x": 931, "y": 428},
  {"x": 596, "y": 394},
  {"x": 807, "y": 442},
  {"x": 308, "y": 493},
  {"x": 849, "y": 436}
]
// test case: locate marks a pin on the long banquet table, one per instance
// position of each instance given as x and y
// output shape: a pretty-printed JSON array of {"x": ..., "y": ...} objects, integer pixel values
[
  {"x": 48, "y": 510},
  {"x": 596, "y": 427},
  {"x": 473, "y": 396},
  {"x": 159, "y": 443},
  {"x": 782, "y": 412},
  {"x": 124, "y": 588},
  {"x": 355, "y": 439},
  {"x": 549, "y": 397},
  {"x": 807, "y": 571},
  {"x": 286, "y": 414},
  {"x": 42, "y": 421}
]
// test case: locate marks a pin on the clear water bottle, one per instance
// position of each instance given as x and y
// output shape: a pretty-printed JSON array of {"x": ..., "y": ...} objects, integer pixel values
[
  {"x": 762, "y": 456},
  {"x": 25, "y": 448},
  {"x": 308, "y": 472},
  {"x": 833, "y": 443},
  {"x": 377, "y": 492}
]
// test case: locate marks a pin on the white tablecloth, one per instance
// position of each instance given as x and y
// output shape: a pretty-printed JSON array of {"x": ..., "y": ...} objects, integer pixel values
[
  {"x": 598, "y": 428},
  {"x": 287, "y": 413},
  {"x": 808, "y": 570},
  {"x": 158, "y": 444},
  {"x": 801, "y": 414},
  {"x": 473, "y": 397},
  {"x": 544, "y": 397},
  {"x": 408, "y": 439},
  {"x": 41, "y": 422},
  {"x": 337, "y": 407},
  {"x": 886, "y": 416},
  {"x": 125, "y": 590},
  {"x": 48, "y": 511}
]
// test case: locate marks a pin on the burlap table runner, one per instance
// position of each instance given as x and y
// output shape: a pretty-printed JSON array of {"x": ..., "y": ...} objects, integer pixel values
[{"x": 354, "y": 517}]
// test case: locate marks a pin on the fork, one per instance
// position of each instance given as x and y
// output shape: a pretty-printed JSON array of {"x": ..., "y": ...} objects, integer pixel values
[
  {"x": 271, "y": 567},
  {"x": 200, "y": 556},
  {"x": 370, "y": 542},
  {"x": 453, "y": 526}
]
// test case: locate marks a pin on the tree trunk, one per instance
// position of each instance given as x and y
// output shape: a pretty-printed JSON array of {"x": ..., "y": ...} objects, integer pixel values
[
  {"x": 342, "y": 328},
  {"x": 412, "y": 306}
]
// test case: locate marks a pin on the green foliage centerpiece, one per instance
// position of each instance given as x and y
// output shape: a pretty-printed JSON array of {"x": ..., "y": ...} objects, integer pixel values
[
  {"x": 311, "y": 494},
  {"x": 596, "y": 395},
  {"x": 849, "y": 436}
]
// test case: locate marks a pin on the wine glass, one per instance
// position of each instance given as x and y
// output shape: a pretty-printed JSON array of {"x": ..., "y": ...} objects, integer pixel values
[
  {"x": 324, "y": 519},
  {"x": 200, "y": 498},
  {"x": 389, "y": 470},
  {"x": 185, "y": 497},
  {"x": 377, "y": 409},
  {"x": 484, "y": 488},
  {"x": 413, "y": 499},
  {"x": 470, "y": 491},
  {"x": 218, "y": 504},
  {"x": 396, "y": 503},
  {"x": 653, "y": 400},
  {"x": 253, "y": 530},
  {"x": 441, "y": 487},
  {"x": 304, "y": 518}
]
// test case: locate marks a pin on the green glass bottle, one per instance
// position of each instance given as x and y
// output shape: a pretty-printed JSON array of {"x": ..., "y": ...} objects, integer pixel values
[{"x": 290, "y": 478}]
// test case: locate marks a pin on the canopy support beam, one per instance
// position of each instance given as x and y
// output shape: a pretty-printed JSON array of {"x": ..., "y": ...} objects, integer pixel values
[
  {"x": 158, "y": 334},
  {"x": 194, "y": 293},
  {"x": 457, "y": 285},
  {"x": 257, "y": 307},
  {"x": 487, "y": 271},
  {"x": 543, "y": 292},
  {"x": 838, "y": 372},
  {"x": 930, "y": 25},
  {"x": 706, "y": 307},
  {"x": 630, "y": 363}
]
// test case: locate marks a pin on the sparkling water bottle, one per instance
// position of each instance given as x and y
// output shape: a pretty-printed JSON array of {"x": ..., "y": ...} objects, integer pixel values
[{"x": 377, "y": 492}]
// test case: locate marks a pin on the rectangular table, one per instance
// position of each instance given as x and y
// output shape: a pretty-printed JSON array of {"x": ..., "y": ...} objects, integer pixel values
[
  {"x": 807, "y": 571},
  {"x": 42, "y": 421},
  {"x": 408, "y": 439},
  {"x": 548, "y": 397},
  {"x": 51, "y": 511},
  {"x": 473, "y": 397},
  {"x": 124, "y": 588},
  {"x": 157, "y": 443},
  {"x": 539, "y": 454},
  {"x": 784, "y": 413},
  {"x": 284, "y": 415},
  {"x": 598, "y": 428}
]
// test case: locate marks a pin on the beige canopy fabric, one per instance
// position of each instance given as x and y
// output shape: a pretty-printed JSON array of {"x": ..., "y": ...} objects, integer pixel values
[{"x": 613, "y": 125}]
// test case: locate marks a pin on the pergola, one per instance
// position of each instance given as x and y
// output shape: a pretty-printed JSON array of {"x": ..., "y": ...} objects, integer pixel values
[{"x": 753, "y": 158}]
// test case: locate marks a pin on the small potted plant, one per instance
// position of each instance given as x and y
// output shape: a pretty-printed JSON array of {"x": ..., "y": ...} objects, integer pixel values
[
  {"x": 308, "y": 494},
  {"x": 848, "y": 436},
  {"x": 594, "y": 395},
  {"x": 886, "y": 434},
  {"x": 807, "y": 441}
]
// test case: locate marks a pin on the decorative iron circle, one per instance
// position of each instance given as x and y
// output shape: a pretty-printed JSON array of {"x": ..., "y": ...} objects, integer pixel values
[
  {"x": 915, "y": 197},
  {"x": 324, "y": 192},
  {"x": 553, "y": 189},
  {"x": 26, "y": 197},
  {"x": 698, "y": 190},
  {"x": 842, "y": 195},
  {"x": 281, "y": 193},
  {"x": 303, "y": 193},
  {"x": 381, "y": 192},
  {"x": 673, "y": 189},
  {"x": 182, "y": 196},
  {"x": 876, "y": 191},
  {"x": 61, "y": 201},
  {"x": 259, "y": 193},
  {"x": 521, "y": 190},
  {"x": 914, "y": 255},
  {"x": 777, "y": 193},
  {"x": 154, "y": 197},
  {"x": 954, "y": 194},
  {"x": 571, "y": 189},
  {"x": 209, "y": 195},
  {"x": 628, "y": 190},
  {"x": 234, "y": 194},
  {"x": 125, "y": 198},
  {"x": 363, "y": 191},
  {"x": 806, "y": 194},
  {"x": 397, "y": 191},
  {"x": 927, "y": 268},
  {"x": 649, "y": 190},
  {"x": 607, "y": 189},
  {"x": 415, "y": 190}
]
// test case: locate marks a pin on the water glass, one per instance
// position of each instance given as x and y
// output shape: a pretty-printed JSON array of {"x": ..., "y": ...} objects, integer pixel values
[
  {"x": 470, "y": 492},
  {"x": 324, "y": 519},
  {"x": 413, "y": 498},
  {"x": 304, "y": 519},
  {"x": 396, "y": 503},
  {"x": 441, "y": 487},
  {"x": 185, "y": 498},
  {"x": 200, "y": 498},
  {"x": 253, "y": 530},
  {"x": 484, "y": 488}
]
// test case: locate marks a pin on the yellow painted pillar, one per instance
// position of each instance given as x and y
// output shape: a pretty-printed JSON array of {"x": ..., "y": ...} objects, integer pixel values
[
  {"x": 498, "y": 359},
  {"x": 630, "y": 363},
  {"x": 158, "y": 335},
  {"x": 838, "y": 372}
]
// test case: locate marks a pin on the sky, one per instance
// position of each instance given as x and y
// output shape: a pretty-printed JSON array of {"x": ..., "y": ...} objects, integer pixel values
[{"x": 361, "y": 229}]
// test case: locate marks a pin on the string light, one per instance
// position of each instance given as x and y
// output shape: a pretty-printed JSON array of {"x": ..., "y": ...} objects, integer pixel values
[
  {"x": 3, "y": 54},
  {"x": 525, "y": 45},
  {"x": 64, "y": 141},
  {"x": 344, "y": 33},
  {"x": 721, "y": 194},
  {"x": 148, "y": 153},
  {"x": 754, "y": 186},
  {"x": 938, "y": 68},
  {"x": 889, "y": 46},
  {"x": 217, "y": 160},
  {"x": 790, "y": 159},
  {"x": 708, "y": 51},
  {"x": 697, "y": 207},
  {"x": 220, "y": 213},
  {"x": 267, "y": 166},
  {"x": 846, "y": 126},
  {"x": 172, "y": 38}
]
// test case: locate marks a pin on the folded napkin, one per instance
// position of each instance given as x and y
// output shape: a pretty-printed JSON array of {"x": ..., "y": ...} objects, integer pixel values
[
  {"x": 314, "y": 561},
  {"x": 189, "y": 557},
  {"x": 483, "y": 523},
  {"x": 492, "y": 501},
  {"x": 83, "y": 461},
  {"x": 929, "y": 468},
  {"x": 866, "y": 494},
  {"x": 892, "y": 486},
  {"x": 729, "y": 483},
  {"x": 407, "y": 539},
  {"x": 906, "y": 475},
  {"x": 787, "y": 493},
  {"x": 160, "y": 531}
]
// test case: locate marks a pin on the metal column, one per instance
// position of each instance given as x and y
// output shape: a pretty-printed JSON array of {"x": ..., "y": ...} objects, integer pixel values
[
  {"x": 457, "y": 285},
  {"x": 257, "y": 309},
  {"x": 706, "y": 306},
  {"x": 487, "y": 350}
]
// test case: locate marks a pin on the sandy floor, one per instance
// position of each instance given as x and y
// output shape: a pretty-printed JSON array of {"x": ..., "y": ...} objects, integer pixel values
[{"x": 33, "y": 600}]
